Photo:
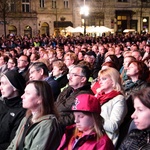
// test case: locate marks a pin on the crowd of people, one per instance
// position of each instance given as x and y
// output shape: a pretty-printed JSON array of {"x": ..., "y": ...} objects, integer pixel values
[{"x": 75, "y": 92}]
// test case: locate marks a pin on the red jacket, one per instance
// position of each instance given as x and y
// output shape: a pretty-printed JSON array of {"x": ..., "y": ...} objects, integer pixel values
[{"x": 87, "y": 142}]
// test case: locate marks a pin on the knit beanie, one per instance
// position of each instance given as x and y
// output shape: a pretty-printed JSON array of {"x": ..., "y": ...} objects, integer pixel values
[{"x": 16, "y": 80}]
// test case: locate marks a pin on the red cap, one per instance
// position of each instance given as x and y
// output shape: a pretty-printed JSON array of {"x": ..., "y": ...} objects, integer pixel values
[{"x": 86, "y": 102}]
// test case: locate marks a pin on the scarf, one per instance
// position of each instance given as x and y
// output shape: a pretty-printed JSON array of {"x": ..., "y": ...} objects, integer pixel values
[{"x": 103, "y": 98}]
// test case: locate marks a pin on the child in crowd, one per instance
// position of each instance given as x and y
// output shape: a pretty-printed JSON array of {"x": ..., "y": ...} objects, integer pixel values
[{"x": 88, "y": 132}]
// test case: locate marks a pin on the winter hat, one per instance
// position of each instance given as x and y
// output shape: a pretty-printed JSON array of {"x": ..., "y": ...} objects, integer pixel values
[
  {"x": 16, "y": 80},
  {"x": 86, "y": 102}
]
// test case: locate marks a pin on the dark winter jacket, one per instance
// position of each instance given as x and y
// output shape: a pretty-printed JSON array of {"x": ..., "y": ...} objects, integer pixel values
[
  {"x": 11, "y": 114},
  {"x": 66, "y": 99},
  {"x": 136, "y": 140}
]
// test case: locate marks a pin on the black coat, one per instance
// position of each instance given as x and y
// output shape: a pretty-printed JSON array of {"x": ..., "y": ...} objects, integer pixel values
[
  {"x": 65, "y": 101},
  {"x": 11, "y": 113},
  {"x": 136, "y": 140}
]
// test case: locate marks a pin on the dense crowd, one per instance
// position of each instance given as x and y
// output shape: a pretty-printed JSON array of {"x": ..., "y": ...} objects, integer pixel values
[{"x": 75, "y": 92}]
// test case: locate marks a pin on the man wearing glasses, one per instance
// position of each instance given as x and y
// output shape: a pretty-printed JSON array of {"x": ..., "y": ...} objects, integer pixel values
[{"x": 78, "y": 84}]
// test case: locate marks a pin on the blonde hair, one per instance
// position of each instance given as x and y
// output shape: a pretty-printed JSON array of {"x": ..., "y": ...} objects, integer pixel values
[{"x": 115, "y": 77}]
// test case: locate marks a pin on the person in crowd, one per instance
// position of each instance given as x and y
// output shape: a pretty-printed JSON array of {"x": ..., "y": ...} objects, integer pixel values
[
  {"x": 81, "y": 55},
  {"x": 88, "y": 132},
  {"x": 23, "y": 64},
  {"x": 12, "y": 64},
  {"x": 114, "y": 59},
  {"x": 99, "y": 60},
  {"x": 138, "y": 73},
  {"x": 34, "y": 57},
  {"x": 70, "y": 59},
  {"x": 59, "y": 54},
  {"x": 3, "y": 63},
  {"x": 118, "y": 53},
  {"x": 78, "y": 83},
  {"x": 11, "y": 111},
  {"x": 39, "y": 71},
  {"x": 126, "y": 61},
  {"x": 138, "y": 138},
  {"x": 112, "y": 101},
  {"x": 137, "y": 54},
  {"x": 59, "y": 73},
  {"x": 41, "y": 120}
]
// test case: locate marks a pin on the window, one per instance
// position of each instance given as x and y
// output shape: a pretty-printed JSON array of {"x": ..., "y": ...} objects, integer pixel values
[
  {"x": 122, "y": 0},
  {"x": 66, "y": 3},
  {"x": 12, "y": 5},
  {"x": 42, "y": 3},
  {"x": 53, "y": 3},
  {"x": 25, "y": 6}
]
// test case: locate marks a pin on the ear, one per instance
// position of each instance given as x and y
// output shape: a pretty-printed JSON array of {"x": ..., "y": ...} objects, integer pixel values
[
  {"x": 83, "y": 79},
  {"x": 41, "y": 71}
]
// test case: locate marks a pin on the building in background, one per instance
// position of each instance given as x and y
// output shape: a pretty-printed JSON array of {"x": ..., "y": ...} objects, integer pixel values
[{"x": 51, "y": 17}]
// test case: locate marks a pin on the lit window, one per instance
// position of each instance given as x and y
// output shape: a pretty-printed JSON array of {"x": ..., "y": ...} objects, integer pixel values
[
  {"x": 25, "y": 6},
  {"x": 66, "y": 4},
  {"x": 42, "y": 3},
  {"x": 53, "y": 3}
]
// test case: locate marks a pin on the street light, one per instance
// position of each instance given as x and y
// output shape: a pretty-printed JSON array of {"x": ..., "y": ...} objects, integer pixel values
[{"x": 85, "y": 12}]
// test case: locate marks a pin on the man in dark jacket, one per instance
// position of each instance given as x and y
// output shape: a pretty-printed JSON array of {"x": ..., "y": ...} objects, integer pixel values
[
  {"x": 11, "y": 111},
  {"x": 78, "y": 84}
]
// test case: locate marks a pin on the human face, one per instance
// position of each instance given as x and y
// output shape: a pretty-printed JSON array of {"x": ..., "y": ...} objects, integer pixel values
[
  {"x": 30, "y": 98},
  {"x": 10, "y": 64},
  {"x": 126, "y": 62},
  {"x": 84, "y": 123},
  {"x": 68, "y": 61},
  {"x": 56, "y": 71},
  {"x": 35, "y": 74},
  {"x": 136, "y": 55},
  {"x": 132, "y": 70},
  {"x": 76, "y": 78},
  {"x": 7, "y": 90},
  {"x": 106, "y": 83},
  {"x": 22, "y": 62},
  {"x": 141, "y": 115}
]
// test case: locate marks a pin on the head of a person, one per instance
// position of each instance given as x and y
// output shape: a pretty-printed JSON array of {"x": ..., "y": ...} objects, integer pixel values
[
  {"x": 81, "y": 55},
  {"x": 137, "y": 69},
  {"x": 127, "y": 60},
  {"x": 12, "y": 63},
  {"x": 3, "y": 59},
  {"x": 86, "y": 109},
  {"x": 38, "y": 71},
  {"x": 34, "y": 57},
  {"x": 59, "y": 68},
  {"x": 109, "y": 64},
  {"x": 78, "y": 76},
  {"x": 109, "y": 80},
  {"x": 12, "y": 84},
  {"x": 112, "y": 58},
  {"x": 70, "y": 59},
  {"x": 38, "y": 98},
  {"x": 90, "y": 57},
  {"x": 141, "y": 114},
  {"x": 23, "y": 62},
  {"x": 137, "y": 54}
]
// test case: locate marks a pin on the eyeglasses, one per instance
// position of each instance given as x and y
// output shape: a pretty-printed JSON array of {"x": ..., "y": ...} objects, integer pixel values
[
  {"x": 74, "y": 75},
  {"x": 21, "y": 60}
]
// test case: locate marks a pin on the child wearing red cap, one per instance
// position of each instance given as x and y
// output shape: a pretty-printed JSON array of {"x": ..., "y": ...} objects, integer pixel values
[{"x": 88, "y": 132}]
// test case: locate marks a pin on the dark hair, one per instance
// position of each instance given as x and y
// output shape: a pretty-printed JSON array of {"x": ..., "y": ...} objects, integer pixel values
[
  {"x": 44, "y": 90},
  {"x": 85, "y": 71},
  {"x": 143, "y": 96},
  {"x": 40, "y": 65},
  {"x": 114, "y": 59},
  {"x": 110, "y": 64}
]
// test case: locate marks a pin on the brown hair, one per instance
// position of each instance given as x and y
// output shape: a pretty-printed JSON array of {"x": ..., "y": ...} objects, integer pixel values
[{"x": 44, "y": 90}]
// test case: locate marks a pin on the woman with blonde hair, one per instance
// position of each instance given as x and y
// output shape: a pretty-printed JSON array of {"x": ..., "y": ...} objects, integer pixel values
[{"x": 113, "y": 104}]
